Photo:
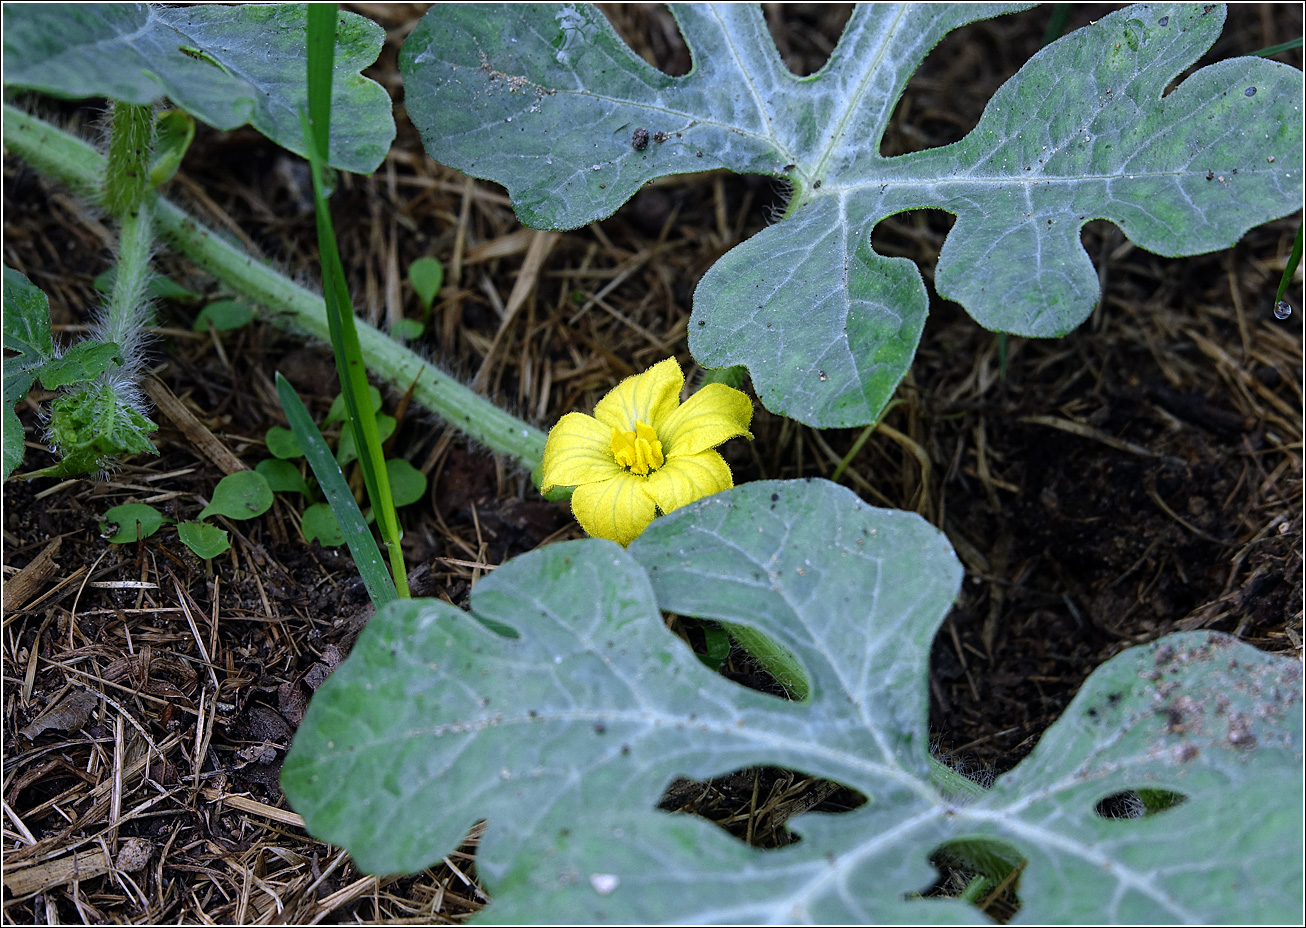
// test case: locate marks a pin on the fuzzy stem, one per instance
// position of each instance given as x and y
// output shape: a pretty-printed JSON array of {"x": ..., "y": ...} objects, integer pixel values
[
  {"x": 128, "y": 311},
  {"x": 126, "y": 181},
  {"x": 287, "y": 305},
  {"x": 127, "y": 175}
]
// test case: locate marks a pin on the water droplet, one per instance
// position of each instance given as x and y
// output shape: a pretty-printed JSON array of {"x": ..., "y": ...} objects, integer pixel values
[
  {"x": 1283, "y": 310},
  {"x": 505, "y": 774},
  {"x": 604, "y": 883},
  {"x": 1163, "y": 21},
  {"x": 1249, "y": 92}
]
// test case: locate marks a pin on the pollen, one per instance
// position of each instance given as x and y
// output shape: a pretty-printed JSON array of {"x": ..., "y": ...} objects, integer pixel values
[{"x": 639, "y": 451}]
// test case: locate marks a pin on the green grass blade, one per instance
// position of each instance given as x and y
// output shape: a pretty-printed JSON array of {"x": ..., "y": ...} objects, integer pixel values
[
  {"x": 340, "y": 312},
  {"x": 1289, "y": 269},
  {"x": 332, "y": 482}
]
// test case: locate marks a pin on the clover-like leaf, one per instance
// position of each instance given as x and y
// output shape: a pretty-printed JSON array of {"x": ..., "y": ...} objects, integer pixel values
[
  {"x": 547, "y": 100},
  {"x": 226, "y": 65},
  {"x": 560, "y": 708}
]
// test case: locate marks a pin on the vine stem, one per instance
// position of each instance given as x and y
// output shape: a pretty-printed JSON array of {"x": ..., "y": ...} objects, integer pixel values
[{"x": 287, "y": 305}]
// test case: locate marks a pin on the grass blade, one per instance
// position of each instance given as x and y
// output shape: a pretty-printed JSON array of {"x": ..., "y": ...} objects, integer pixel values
[
  {"x": 340, "y": 312},
  {"x": 357, "y": 535}
]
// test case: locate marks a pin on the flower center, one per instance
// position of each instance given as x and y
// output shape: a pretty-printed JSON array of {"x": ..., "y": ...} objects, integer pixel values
[{"x": 638, "y": 451}]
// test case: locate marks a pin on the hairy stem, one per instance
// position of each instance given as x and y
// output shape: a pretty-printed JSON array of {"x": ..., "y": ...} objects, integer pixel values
[{"x": 286, "y": 304}]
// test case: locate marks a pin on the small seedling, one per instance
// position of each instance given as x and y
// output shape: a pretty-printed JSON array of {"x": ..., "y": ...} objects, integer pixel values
[{"x": 238, "y": 496}]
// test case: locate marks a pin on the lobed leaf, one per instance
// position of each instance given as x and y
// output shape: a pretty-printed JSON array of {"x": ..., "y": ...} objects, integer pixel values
[
  {"x": 547, "y": 100},
  {"x": 226, "y": 65},
  {"x": 560, "y": 708},
  {"x": 84, "y": 361},
  {"x": 92, "y": 424}
]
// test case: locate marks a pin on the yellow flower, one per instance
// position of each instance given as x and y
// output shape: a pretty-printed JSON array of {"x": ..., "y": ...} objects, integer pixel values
[{"x": 642, "y": 451}]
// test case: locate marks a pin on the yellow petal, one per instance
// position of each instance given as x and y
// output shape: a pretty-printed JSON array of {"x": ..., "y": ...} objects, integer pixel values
[
  {"x": 709, "y": 417},
  {"x": 616, "y": 509},
  {"x": 682, "y": 480},
  {"x": 651, "y": 396},
  {"x": 578, "y": 451}
]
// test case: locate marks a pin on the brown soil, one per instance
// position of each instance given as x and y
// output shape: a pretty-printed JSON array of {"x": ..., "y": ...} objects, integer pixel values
[{"x": 1140, "y": 476}]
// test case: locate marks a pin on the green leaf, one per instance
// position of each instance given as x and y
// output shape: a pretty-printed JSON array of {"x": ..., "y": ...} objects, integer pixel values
[
  {"x": 362, "y": 546},
  {"x": 319, "y": 524},
  {"x": 26, "y": 332},
  {"x": 338, "y": 411},
  {"x": 548, "y": 101},
  {"x": 427, "y": 277},
  {"x": 92, "y": 424},
  {"x": 282, "y": 476},
  {"x": 158, "y": 287},
  {"x": 407, "y": 483},
  {"x": 134, "y": 521},
  {"x": 347, "y": 449},
  {"x": 242, "y": 495},
  {"x": 717, "y": 642},
  {"x": 407, "y": 329},
  {"x": 84, "y": 361},
  {"x": 204, "y": 539},
  {"x": 225, "y": 65},
  {"x": 174, "y": 130},
  {"x": 564, "y": 738},
  {"x": 223, "y": 315},
  {"x": 282, "y": 443}
]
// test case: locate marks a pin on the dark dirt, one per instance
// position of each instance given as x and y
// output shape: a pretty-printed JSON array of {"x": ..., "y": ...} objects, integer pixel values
[{"x": 1140, "y": 476}]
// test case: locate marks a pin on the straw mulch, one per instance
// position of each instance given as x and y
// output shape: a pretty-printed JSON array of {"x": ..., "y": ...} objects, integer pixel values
[{"x": 1141, "y": 475}]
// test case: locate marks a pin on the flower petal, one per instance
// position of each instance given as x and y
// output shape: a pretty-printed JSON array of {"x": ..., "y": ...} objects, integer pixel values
[
  {"x": 578, "y": 451},
  {"x": 709, "y": 417},
  {"x": 617, "y": 509},
  {"x": 650, "y": 396},
  {"x": 684, "y": 479}
]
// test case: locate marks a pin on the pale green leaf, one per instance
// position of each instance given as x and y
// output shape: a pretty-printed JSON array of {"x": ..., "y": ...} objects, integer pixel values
[
  {"x": 226, "y": 65},
  {"x": 338, "y": 411},
  {"x": 319, "y": 524},
  {"x": 427, "y": 277},
  {"x": 282, "y": 444},
  {"x": 242, "y": 495},
  {"x": 203, "y": 539},
  {"x": 347, "y": 449},
  {"x": 223, "y": 315},
  {"x": 547, "y": 100},
  {"x": 406, "y": 329},
  {"x": 131, "y": 522},
  {"x": 282, "y": 476},
  {"x": 157, "y": 287},
  {"x": 407, "y": 483},
  {"x": 563, "y": 739}
]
